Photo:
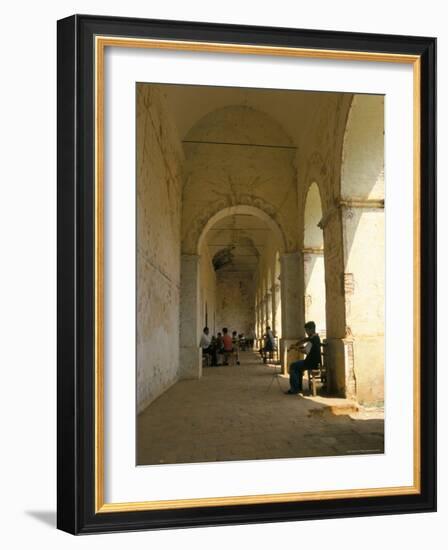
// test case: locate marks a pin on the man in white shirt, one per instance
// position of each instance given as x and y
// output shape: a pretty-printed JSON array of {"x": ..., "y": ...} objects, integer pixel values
[
  {"x": 207, "y": 347},
  {"x": 205, "y": 340}
]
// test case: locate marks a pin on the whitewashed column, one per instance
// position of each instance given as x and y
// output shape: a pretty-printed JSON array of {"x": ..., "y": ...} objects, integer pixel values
[
  {"x": 314, "y": 283},
  {"x": 256, "y": 317},
  {"x": 274, "y": 310},
  {"x": 363, "y": 232},
  {"x": 269, "y": 308},
  {"x": 293, "y": 318},
  {"x": 277, "y": 310},
  {"x": 190, "y": 354}
]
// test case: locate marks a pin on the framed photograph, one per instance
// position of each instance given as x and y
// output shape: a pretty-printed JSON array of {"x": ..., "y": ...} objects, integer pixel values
[{"x": 246, "y": 274}]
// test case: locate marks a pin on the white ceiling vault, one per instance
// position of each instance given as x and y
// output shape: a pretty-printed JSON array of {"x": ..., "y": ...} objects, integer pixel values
[{"x": 294, "y": 110}]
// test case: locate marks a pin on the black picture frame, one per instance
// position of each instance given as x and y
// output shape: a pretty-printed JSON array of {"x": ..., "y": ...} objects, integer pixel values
[{"x": 76, "y": 480}]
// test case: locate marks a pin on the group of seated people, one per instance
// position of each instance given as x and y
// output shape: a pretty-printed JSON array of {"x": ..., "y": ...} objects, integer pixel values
[
  {"x": 228, "y": 346},
  {"x": 223, "y": 345}
]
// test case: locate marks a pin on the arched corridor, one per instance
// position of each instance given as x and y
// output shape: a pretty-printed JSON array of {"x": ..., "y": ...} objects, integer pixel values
[{"x": 255, "y": 209}]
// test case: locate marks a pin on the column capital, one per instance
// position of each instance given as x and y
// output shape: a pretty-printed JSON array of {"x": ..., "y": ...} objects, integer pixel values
[
  {"x": 361, "y": 203},
  {"x": 290, "y": 255},
  {"x": 313, "y": 251},
  {"x": 341, "y": 204}
]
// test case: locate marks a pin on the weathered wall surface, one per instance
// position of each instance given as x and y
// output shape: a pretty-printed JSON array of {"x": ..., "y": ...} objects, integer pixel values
[
  {"x": 235, "y": 302},
  {"x": 158, "y": 247},
  {"x": 314, "y": 274},
  {"x": 362, "y": 190},
  {"x": 364, "y": 294}
]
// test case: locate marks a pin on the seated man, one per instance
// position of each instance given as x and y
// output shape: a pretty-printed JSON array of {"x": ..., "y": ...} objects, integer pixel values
[
  {"x": 207, "y": 349},
  {"x": 311, "y": 346},
  {"x": 269, "y": 344}
]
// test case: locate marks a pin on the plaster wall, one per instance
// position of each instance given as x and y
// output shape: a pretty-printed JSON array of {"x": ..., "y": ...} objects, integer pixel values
[
  {"x": 158, "y": 247},
  {"x": 235, "y": 296},
  {"x": 364, "y": 294},
  {"x": 314, "y": 275}
]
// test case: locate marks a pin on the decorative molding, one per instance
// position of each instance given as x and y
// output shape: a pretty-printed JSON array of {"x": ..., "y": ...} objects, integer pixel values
[
  {"x": 350, "y": 203},
  {"x": 311, "y": 250},
  {"x": 362, "y": 203}
]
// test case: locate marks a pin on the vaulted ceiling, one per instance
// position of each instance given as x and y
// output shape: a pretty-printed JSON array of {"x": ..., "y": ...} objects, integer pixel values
[
  {"x": 294, "y": 110},
  {"x": 235, "y": 243}
]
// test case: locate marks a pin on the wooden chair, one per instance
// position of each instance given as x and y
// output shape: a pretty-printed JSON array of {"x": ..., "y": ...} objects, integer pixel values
[
  {"x": 206, "y": 359},
  {"x": 272, "y": 356},
  {"x": 319, "y": 375}
]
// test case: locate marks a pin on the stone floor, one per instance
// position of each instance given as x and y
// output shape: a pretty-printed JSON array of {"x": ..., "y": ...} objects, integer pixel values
[{"x": 241, "y": 413}]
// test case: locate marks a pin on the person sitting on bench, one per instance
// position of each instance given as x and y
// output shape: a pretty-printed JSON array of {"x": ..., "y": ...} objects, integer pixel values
[{"x": 311, "y": 346}]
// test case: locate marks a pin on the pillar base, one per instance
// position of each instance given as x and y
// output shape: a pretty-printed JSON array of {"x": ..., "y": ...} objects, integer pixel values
[
  {"x": 190, "y": 363},
  {"x": 340, "y": 364}
]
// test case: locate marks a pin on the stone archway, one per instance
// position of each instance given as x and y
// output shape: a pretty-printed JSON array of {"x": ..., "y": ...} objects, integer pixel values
[
  {"x": 192, "y": 266},
  {"x": 242, "y": 209}
]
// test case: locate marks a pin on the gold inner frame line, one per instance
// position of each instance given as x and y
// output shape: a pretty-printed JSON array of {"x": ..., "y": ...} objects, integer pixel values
[{"x": 101, "y": 42}]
